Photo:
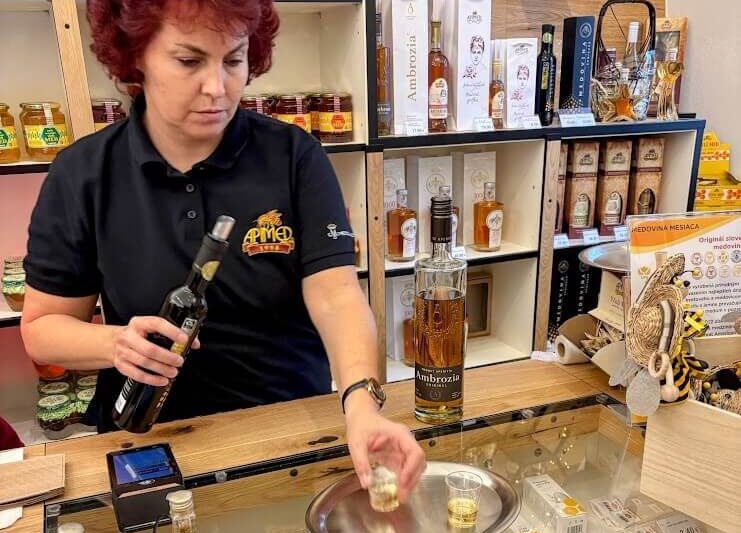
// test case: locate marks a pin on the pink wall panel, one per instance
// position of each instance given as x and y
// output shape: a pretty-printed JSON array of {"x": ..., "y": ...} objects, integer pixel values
[{"x": 18, "y": 195}]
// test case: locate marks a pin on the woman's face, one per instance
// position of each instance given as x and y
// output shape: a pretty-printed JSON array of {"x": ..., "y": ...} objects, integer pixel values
[
  {"x": 477, "y": 52},
  {"x": 194, "y": 78}
]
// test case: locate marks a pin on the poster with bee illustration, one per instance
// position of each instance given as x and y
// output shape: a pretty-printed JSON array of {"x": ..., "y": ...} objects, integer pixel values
[{"x": 711, "y": 245}]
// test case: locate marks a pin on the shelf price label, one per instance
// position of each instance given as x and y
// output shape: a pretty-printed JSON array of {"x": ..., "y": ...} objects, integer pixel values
[
  {"x": 459, "y": 252},
  {"x": 621, "y": 233},
  {"x": 678, "y": 523},
  {"x": 415, "y": 127},
  {"x": 591, "y": 236},
  {"x": 483, "y": 124},
  {"x": 576, "y": 120},
  {"x": 530, "y": 123},
  {"x": 560, "y": 241}
]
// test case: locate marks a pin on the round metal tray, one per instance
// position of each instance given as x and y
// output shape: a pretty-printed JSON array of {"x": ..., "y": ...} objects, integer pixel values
[
  {"x": 612, "y": 256},
  {"x": 343, "y": 507}
]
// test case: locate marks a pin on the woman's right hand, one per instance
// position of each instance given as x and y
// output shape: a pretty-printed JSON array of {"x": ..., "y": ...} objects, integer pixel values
[{"x": 141, "y": 360}]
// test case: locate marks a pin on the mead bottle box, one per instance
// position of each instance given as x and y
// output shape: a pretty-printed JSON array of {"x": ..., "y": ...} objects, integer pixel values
[
  {"x": 408, "y": 37},
  {"x": 470, "y": 172},
  {"x": 581, "y": 187},
  {"x": 612, "y": 185},
  {"x": 466, "y": 26},
  {"x": 425, "y": 175},
  {"x": 399, "y": 308},
  {"x": 521, "y": 57},
  {"x": 576, "y": 62}
]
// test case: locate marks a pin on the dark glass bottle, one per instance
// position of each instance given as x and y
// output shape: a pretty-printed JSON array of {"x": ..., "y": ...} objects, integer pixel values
[
  {"x": 546, "y": 77},
  {"x": 138, "y": 405}
]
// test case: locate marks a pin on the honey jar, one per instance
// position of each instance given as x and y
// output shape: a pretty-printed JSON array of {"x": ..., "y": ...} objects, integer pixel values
[
  {"x": 44, "y": 130},
  {"x": 314, "y": 99},
  {"x": 294, "y": 109},
  {"x": 107, "y": 111},
  {"x": 258, "y": 103},
  {"x": 335, "y": 118},
  {"x": 9, "y": 150}
]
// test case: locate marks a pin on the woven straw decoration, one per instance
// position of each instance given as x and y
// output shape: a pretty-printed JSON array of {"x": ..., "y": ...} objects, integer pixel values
[{"x": 646, "y": 319}]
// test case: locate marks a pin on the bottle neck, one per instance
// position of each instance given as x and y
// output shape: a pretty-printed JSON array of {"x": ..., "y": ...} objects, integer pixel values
[
  {"x": 497, "y": 70},
  {"x": 379, "y": 31},
  {"x": 196, "y": 282},
  {"x": 441, "y": 251},
  {"x": 435, "y": 37},
  {"x": 546, "y": 47}
]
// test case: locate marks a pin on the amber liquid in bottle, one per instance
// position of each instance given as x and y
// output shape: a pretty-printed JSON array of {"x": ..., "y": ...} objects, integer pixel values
[
  {"x": 401, "y": 225},
  {"x": 439, "y": 324},
  {"x": 383, "y": 80},
  {"x": 408, "y": 331},
  {"x": 438, "y": 70},
  {"x": 488, "y": 216},
  {"x": 496, "y": 95}
]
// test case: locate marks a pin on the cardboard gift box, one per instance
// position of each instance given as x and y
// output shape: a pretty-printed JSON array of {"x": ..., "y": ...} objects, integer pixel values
[{"x": 425, "y": 175}]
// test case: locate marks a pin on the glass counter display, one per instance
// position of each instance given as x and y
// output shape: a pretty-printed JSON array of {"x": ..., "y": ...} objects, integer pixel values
[{"x": 582, "y": 446}]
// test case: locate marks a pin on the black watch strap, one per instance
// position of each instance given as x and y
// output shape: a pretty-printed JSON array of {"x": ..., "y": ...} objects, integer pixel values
[
  {"x": 373, "y": 388},
  {"x": 362, "y": 384}
]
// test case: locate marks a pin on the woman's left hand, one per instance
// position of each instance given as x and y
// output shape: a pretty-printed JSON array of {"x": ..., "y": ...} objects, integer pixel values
[{"x": 371, "y": 438}]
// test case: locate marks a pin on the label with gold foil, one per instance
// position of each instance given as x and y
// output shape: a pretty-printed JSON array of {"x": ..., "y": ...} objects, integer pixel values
[
  {"x": 208, "y": 271},
  {"x": 8, "y": 138},
  {"x": 303, "y": 120},
  {"x": 335, "y": 122},
  {"x": 189, "y": 327},
  {"x": 46, "y": 136}
]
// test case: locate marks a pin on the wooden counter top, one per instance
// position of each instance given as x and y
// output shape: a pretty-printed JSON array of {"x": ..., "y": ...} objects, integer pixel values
[{"x": 236, "y": 438}]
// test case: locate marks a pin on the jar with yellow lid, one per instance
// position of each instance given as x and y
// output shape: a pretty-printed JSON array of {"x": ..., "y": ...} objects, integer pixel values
[
  {"x": 44, "y": 130},
  {"x": 293, "y": 109},
  {"x": 9, "y": 150},
  {"x": 107, "y": 111},
  {"x": 335, "y": 118}
]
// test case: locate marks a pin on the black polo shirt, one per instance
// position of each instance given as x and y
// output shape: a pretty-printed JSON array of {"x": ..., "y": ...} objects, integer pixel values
[{"x": 114, "y": 218}]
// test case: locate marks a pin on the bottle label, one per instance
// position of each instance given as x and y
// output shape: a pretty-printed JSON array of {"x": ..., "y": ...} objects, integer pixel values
[
  {"x": 303, "y": 121},
  {"x": 545, "y": 72},
  {"x": 335, "y": 122},
  {"x": 497, "y": 105},
  {"x": 453, "y": 228},
  {"x": 121, "y": 400},
  {"x": 494, "y": 222},
  {"x": 409, "y": 235},
  {"x": 8, "y": 138},
  {"x": 314, "y": 120},
  {"x": 438, "y": 384},
  {"x": 190, "y": 325},
  {"x": 46, "y": 136},
  {"x": 439, "y": 99}
]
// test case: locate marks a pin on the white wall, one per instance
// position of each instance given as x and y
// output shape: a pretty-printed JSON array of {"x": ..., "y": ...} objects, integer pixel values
[{"x": 712, "y": 83}]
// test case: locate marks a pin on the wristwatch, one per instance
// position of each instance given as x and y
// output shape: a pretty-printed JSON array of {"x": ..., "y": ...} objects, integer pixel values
[{"x": 373, "y": 388}]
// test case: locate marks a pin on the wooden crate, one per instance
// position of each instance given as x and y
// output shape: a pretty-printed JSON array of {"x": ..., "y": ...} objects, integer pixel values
[{"x": 692, "y": 457}]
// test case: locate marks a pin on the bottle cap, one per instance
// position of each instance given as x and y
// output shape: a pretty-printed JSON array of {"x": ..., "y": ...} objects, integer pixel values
[
  {"x": 223, "y": 227},
  {"x": 444, "y": 190},
  {"x": 633, "y": 28}
]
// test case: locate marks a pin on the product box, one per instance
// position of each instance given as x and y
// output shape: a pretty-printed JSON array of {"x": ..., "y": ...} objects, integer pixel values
[
  {"x": 561, "y": 191},
  {"x": 466, "y": 26},
  {"x": 393, "y": 180},
  {"x": 612, "y": 185},
  {"x": 563, "y": 288},
  {"x": 581, "y": 187},
  {"x": 425, "y": 175},
  {"x": 558, "y": 512},
  {"x": 717, "y": 189},
  {"x": 399, "y": 307},
  {"x": 522, "y": 524},
  {"x": 470, "y": 172},
  {"x": 648, "y": 154},
  {"x": 645, "y": 187},
  {"x": 409, "y": 39},
  {"x": 520, "y": 62},
  {"x": 576, "y": 62},
  {"x": 670, "y": 33}
]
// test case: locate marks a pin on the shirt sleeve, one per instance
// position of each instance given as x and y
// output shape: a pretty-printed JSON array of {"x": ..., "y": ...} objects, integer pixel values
[
  {"x": 61, "y": 257},
  {"x": 325, "y": 237}
]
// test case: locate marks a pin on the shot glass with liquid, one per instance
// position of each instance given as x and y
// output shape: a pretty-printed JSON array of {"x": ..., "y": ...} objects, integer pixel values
[
  {"x": 464, "y": 490},
  {"x": 382, "y": 490}
]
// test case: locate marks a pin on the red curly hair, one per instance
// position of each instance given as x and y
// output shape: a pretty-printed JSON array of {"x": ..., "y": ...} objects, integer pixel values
[{"x": 122, "y": 29}]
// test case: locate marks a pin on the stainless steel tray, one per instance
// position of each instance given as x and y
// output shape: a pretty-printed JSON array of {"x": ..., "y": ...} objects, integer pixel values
[
  {"x": 343, "y": 507},
  {"x": 612, "y": 256}
]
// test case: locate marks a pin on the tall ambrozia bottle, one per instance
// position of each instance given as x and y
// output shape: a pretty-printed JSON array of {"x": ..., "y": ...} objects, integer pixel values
[
  {"x": 138, "y": 405},
  {"x": 439, "y": 324}
]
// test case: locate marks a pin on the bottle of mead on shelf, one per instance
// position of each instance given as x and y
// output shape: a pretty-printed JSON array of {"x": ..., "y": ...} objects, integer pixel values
[
  {"x": 402, "y": 229},
  {"x": 488, "y": 217},
  {"x": 139, "y": 405},
  {"x": 439, "y": 324}
]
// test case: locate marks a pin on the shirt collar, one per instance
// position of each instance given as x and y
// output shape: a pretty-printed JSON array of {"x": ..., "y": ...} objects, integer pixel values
[{"x": 149, "y": 159}]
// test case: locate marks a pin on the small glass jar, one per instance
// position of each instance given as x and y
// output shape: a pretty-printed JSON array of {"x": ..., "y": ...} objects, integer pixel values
[
  {"x": 10, "y": 152},
  {"x": 314, "y": 99},
  {"x": 293, "y": 109},
  {"x": 335, "y": 118},
  {"x": 260, "y": 103},
  {"x": 55, "y": 412},
  {"x": 107, "y": 111},
  {"x": 44, "y": 130}
]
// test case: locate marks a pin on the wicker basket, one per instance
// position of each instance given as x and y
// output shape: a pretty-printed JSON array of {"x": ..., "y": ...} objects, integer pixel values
[{"x": 611, "y": 100}]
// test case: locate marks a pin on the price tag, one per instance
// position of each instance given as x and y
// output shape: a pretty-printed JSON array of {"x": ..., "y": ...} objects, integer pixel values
[
  {"x": 621, "y": 233},
  {"x": 570, "y": 120},
  {"x": 548, "y": 357},
  {"x": 678, "y": 523},
  {"x": 415, "y": 127},
  {"x": 530, "y": 123},
  {"x": 591, "y": 236},
  {"x": 560, "y": 241},
  {"x": 459, "y": 252},
  {"x": 483, "y": 124}
]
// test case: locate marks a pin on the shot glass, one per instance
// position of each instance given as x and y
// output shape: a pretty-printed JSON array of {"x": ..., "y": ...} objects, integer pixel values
[
  {"x": 464, "y": 490},
  {"x": 382, "y": 490}
]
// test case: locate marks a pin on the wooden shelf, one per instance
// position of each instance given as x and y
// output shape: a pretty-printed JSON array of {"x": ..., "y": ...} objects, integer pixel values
[
  {"x": 25, "y": 5},
  {"x": 579, "y": 243},
  {"x": 480, "y": 351},
  {"x": 508, "y": 252},
  {"x": 23, "y": 167}
]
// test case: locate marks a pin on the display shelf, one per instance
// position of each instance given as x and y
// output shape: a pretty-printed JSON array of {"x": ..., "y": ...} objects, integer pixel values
[
  {"x": 23, "y": 167},
  {"x": 480, "y": 351},
  {"x": 341, "y": 148},
  {"x": 7, "y": 6},
  {"x": 508, "y": 252},
  {"x": 579, "y": 243}
]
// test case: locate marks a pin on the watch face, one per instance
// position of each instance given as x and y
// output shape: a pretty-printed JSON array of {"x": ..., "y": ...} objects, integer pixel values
[{"x": 376, "y": 390}]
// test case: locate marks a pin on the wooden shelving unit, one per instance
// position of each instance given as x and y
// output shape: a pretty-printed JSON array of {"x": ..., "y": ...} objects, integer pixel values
[{"x": 330, "y": 45}]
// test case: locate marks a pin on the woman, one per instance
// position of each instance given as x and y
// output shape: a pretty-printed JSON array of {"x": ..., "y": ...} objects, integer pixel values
[{"x": 122, "y": 212}]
